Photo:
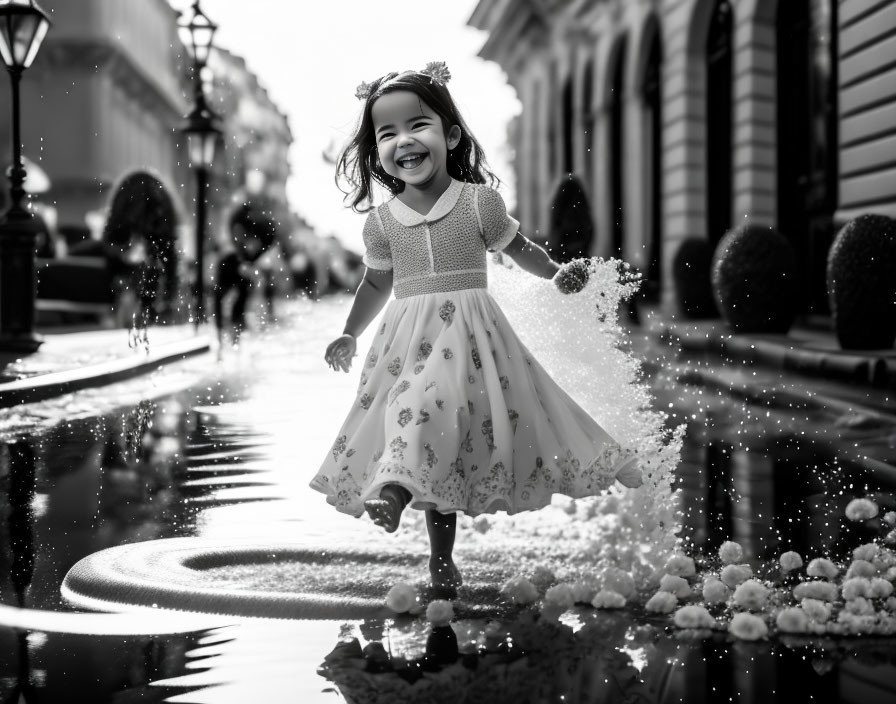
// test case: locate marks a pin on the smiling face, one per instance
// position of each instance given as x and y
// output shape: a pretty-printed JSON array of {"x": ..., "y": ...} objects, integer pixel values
[{"x": 411, "y": 141}]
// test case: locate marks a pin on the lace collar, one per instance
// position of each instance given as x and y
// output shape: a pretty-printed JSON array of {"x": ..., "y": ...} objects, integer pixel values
[{"x": 409, "y": 217}]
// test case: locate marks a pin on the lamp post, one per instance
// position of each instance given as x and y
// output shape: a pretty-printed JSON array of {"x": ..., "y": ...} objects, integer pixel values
[
  {"x": 202, "y": 135},
  {"x": 23, "y": 26}
]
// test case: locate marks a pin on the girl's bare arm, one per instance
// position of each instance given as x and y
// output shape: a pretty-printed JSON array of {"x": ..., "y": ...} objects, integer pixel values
[
  {"x": 531, "y": 257},
  {"x": 372, "y": 294}
]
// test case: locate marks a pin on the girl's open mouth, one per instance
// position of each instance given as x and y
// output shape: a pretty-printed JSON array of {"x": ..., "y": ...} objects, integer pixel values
[{"x": 412, "y": 161}]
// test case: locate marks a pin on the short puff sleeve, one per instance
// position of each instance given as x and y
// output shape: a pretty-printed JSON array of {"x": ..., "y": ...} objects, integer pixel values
[
  {"x": 497, "y": 227},
  {"x": 378, "y": 255}
]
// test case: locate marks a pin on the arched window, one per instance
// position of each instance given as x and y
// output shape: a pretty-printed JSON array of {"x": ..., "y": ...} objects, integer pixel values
[
  {"x": 588, "y": 122},
  {"x": 807, "y": 138},
  {"x": 567, "y": 164},
  {"x": 653, "y": 99},
  {"x": 617, "y": 139},
  {"x": 718, "y": 121}
]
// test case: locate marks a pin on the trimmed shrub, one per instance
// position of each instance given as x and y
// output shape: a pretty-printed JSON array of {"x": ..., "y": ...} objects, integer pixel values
[
  {"x": 753, "y": 279},
  {"x": 690, "y": 277},
  {"x": 861, "y": 276},
  {"x": 571, "y": 226}
]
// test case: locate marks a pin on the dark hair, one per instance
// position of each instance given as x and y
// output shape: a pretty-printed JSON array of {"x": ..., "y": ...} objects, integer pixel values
[{"x": 359, "y": 164}]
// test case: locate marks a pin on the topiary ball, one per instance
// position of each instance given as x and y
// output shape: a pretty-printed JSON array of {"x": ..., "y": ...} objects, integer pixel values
[
  {"x": 753, "y": 279},
  {"x": 573, "y": 276},
  {"x": 861, "y": 278},
  {"x": 691, "y": 278}
]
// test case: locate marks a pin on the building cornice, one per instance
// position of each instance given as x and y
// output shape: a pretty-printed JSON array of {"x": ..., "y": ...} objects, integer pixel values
[
  {"x": 510, "y": 24},
  {"x": 97, "y": 55}
]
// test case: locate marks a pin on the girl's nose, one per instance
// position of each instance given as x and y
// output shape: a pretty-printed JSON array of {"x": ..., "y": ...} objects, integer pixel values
[{"x": 405, "y": 138}]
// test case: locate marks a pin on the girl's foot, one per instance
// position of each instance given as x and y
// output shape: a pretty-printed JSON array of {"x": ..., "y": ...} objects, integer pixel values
[
  {"x": 386, "y": 510},
  {"x": 446, "y": 578}
]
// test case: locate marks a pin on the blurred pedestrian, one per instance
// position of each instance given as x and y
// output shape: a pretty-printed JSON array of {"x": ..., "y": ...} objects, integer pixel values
[{"x": 251, "y": 232}]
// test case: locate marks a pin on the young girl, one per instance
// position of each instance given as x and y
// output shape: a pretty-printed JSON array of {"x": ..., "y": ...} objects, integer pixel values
[{"x": 452, "y": 412}]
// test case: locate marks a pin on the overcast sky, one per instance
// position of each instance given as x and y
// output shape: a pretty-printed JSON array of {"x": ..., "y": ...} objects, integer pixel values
[{"x": 311, "y": 56}]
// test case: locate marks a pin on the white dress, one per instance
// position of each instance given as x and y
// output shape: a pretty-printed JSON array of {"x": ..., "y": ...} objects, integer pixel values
[{"x": 450, "y": 404}]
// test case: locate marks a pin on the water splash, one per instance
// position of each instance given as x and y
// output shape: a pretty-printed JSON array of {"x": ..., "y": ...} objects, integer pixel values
[{"x": 580, "y": 340}]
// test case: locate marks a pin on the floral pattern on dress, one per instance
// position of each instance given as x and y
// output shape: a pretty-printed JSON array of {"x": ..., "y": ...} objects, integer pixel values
[
  {"x": 338, "y": 447},
  {"x": 398, "y": 390},
  {"x": 505, "y": 383},
  {"x": 431, "y": 458},
  {"x": 447, "y": 353},
  {"x": 397, "y": 446},
  {"x": 539, "y": 480},
  {"x": 451, "y": 488},
  {"x": 395, "y": 366},
  {"x": 348, "y": 492},
  {"x": 477, "y": 362},
  {"x": 467, "y": 443},
  {"x": 496, "y": 484},
  {"x": 488, "y": 431},
  {"x": 422, "y": 416},
  {"x": 424, "y": 351},
  {"x": 405, "y": 416},
  {"x": 569, "y": 467},
  {"x": 372, "y": 358},
  {"x": 446, "y": 312},
  {"x": 365, "y": 400}
]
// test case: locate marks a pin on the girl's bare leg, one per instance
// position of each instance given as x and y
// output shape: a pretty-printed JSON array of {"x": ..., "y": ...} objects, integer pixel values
[{"x": 442, "y": 528}]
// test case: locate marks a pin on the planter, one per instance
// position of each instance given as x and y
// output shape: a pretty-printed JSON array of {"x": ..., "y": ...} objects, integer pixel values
[
  {"x": 691, "y": 279},
  {"x": 753, "y": 280},
  {"x": 861, "y": 277}
]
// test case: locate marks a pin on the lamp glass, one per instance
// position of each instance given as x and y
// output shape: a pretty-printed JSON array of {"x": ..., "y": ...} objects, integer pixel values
[
  {"x": 202, "y": 32},
  {"x": 22, "y": 30},
  {"x": 201, "y": 146}
]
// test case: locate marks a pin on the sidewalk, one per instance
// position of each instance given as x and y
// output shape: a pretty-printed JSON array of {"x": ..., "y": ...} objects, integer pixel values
[
  {"x": 72, "y": 360},
  {"x": 810, "y": 352}
]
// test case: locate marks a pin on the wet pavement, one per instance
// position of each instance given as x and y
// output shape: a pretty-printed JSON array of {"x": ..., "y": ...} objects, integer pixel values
[{"x": 223, "y": 450}]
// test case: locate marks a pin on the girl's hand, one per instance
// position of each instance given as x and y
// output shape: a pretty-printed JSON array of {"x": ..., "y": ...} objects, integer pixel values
[
  {"x": 573, "y": 276},
  {"x": 340, "y": 352}
]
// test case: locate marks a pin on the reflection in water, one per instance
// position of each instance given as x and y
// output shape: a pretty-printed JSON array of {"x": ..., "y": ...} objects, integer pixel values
[
  {"x": 59, "y": 667},
  {"x": 527, "y": 659},
  {"x": 598, "y": 657},
  {"x": 773, "y": 492},
  {"x": 20, "y": 523}
]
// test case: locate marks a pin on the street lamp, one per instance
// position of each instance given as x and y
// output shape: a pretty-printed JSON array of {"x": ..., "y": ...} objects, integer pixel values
[
  {"x": 23, "y": 26},
  {"x": 202, "y": 135}
]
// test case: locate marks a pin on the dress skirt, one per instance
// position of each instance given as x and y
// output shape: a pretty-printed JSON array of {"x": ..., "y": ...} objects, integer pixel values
[{"x": 453, "y": 407}]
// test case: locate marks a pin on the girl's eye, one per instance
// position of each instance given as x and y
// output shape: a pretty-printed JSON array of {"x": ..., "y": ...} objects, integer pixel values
[
  {"x": 421, "y": 124},
  {"x": 385, "y": 135}
]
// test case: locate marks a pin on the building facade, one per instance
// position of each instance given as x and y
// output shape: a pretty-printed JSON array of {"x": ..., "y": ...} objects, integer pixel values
[
  {"x": 253, "y": 160},
  {"x": 107, "y": 97},
  {"x": 685, "y": 118}
]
